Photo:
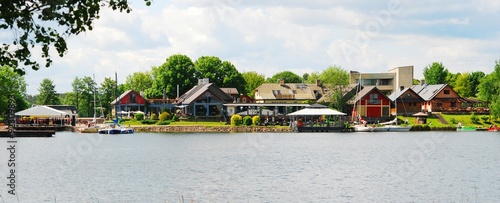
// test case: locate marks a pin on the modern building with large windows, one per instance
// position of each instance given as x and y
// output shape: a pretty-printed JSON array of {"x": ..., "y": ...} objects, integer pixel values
[{"x": 395, "y": 79}]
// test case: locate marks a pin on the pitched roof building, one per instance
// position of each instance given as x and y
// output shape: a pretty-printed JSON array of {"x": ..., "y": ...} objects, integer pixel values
[{"x": 288, "y": 92}]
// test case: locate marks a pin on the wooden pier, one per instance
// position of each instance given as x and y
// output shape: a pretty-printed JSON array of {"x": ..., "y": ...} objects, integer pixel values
[{"x": 34, "y": 131}]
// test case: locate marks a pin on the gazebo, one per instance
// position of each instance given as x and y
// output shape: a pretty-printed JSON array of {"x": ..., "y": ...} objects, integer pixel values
[
  {"x": 317, "y": 118},
  {"x": 420, "y": 118}
]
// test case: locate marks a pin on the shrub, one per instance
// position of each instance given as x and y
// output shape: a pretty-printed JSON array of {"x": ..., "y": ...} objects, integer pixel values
[
  {"x": 139, "y": 116},
  {"x": 485, "y": 119},
  {"x": 247, "y": 120},
  {"x": 165, "y": 122},
  {"x": 154, "y": 116},
  {"x": 236, "y": 119},
  {"x": 176, "y": 117},
  {"x": 256, "y": 120},
  {"x": 148, "y": 122},
  {"x": 453, "y": 120},
  {"x": 474, "y": 118},
  {"x": 164, "y": 116}
]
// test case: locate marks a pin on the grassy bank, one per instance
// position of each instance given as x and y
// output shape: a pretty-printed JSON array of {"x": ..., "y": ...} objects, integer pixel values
[{"x": 433, "y": 124}]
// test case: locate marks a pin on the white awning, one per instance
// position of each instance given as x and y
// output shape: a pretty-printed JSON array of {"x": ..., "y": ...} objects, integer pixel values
[
  {"x": 39, "y": 111},
  {"x": 317, "y": 112}
]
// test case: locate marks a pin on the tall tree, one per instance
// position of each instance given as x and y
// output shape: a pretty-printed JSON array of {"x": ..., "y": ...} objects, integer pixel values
[
  {"x": 221, "y": 73},
  {"x": 139, "y": 81},
  {"x": 47, "y": 93},
  {"x": 11, "y": 83},
  {"x": 107, "y": 94},
  {"x": 179, "y": 70},
  {"x": 82, "y": 96},
  {"x": 287, "y": 76},
  {"x": 435, "y": 73},
  {"x": 333, "y": 75},
  {"x": 252, "y": 81},
  {"x": 44, "y": 24},
  {"x": 475, "y": 78},
  {"x": 451, "y": 79},
  {"x": 462, "y": 85},
  {"x": 489, "y": 90}
]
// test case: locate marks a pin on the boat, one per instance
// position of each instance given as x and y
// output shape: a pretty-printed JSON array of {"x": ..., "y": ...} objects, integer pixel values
[
  {"x": 466, "y": 128},
  {"x": 115, "y": 128},
  {"x": 493, "y": 128},
  {"x": 390, "y": 126}
]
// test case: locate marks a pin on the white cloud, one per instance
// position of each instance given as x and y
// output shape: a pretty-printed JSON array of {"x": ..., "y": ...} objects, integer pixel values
[{"x": 270, "y": 37}]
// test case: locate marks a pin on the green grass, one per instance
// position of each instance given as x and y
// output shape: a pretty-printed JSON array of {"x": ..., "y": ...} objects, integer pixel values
[
  {"x": 432, "y": 120},
  {"x": 466, "y": 120}
]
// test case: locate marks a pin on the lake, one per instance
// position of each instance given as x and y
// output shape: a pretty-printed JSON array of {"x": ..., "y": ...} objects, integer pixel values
[{"x": 252, "y": 167}]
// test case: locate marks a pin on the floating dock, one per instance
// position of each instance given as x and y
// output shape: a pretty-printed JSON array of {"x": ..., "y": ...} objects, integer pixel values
[{"x": 29, "y": 133}]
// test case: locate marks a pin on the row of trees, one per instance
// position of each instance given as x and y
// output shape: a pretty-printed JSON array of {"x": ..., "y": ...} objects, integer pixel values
[{"x": 465, "y": 84}]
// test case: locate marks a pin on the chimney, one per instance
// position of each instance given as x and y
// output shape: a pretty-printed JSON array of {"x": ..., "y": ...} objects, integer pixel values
[
  {"x": 318, "y": 83},
  {"x": 282, "y": 82},
  {"x": 422, "y": 82}
]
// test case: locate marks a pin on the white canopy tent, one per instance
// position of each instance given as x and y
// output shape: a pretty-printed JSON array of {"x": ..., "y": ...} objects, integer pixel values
[
  {"x": 42, "y": 111},
  {"x": 317, "y": 110}
]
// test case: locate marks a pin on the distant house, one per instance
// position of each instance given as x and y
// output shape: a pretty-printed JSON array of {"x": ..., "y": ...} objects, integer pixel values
[
  {"x": 204, "y": 99},
  {"x": 371, "y": 103},
  {"x": 440, "y": 97},
  {"x": 407, "y": 101},
  {"x": 288, "y": 92},
  {"x": 129, "y": 102}
]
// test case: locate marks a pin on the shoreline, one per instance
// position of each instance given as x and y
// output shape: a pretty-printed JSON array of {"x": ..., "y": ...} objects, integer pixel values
[{"x": 240, "y": 129}]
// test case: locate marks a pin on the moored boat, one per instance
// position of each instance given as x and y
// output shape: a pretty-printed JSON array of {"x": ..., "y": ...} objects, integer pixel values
[
  {"x": 114, "y": 128},
  {"x": 466, "y": 128}
]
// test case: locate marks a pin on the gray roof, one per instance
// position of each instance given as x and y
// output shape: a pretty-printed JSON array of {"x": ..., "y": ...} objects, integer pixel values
[
  {"x": 428, "y": 92},
  {"x": 198, "y": 90},
  {"x": 230, "y": 90},
  {"x": 121, "y": 96},
  {"x": 397, "y": 94},
  {"x": 41, "y": 111}
]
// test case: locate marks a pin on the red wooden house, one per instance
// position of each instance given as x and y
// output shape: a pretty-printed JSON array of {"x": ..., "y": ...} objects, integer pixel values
[
  {"x": 129, "y": 102},
  {"x": 370, "y": 103}
]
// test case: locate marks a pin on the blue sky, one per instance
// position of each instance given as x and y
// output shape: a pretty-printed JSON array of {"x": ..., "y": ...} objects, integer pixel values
[{"x": 273, "y": 36}]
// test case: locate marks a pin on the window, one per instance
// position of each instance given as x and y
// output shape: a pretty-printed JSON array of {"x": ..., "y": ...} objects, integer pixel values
[
  {"x": 275, "y": 92},
  {"x": 446, "y": 91},
  {"x": 373, "y": 99},
  {"x": 244, "y": 100},
  {"x": 132, "y": 98}
]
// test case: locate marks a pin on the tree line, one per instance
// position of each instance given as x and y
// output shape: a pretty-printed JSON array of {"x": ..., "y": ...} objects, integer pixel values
[{"x": 161, "y": 82}]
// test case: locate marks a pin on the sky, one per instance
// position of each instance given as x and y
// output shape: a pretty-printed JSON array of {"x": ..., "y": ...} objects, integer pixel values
[{"x": 273, "y": 36}]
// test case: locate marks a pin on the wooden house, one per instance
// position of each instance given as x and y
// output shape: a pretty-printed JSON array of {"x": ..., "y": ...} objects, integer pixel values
[
  {"x": 440, "y": 97},
  {"x": 130, "y": 101},
  {"x": 406, "y": 102},
  {"x": 204, "y": 99},
  {"x": 370, "y": 103}
]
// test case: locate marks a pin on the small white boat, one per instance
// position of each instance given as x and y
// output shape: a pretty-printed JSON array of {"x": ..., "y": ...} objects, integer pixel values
[
  {"x": 391, "y": 127},
  {"x": 114, "y": 128},
  {"x": 362, "y": 128}
]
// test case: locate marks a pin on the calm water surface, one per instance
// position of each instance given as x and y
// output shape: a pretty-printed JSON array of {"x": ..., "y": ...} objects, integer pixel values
[{"x": 249, "y": 167}]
